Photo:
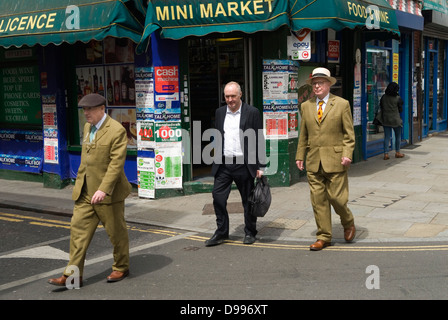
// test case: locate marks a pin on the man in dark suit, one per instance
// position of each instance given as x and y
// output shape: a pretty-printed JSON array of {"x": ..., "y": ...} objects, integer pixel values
[
  {"x": 100, "y": 190},
  {"x": 239, "y": 157}
]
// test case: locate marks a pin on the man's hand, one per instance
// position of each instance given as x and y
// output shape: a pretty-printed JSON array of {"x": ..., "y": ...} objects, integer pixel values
[
  {"x": 259, "y": 173},
  {"x": 346, "y": 161},
  {"x": 98, "y": 197},
  {"x": 299, "y": 164}
]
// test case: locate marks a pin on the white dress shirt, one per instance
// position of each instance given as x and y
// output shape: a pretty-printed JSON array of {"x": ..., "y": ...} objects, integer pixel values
[
  {"x": 325, "y": 100},
  {"x": 98, "y": 125},
  {"x": 232, "y": 143}
]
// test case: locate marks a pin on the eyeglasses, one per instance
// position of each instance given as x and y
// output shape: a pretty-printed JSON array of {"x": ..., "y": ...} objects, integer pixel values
[{"x": 319, "y": 83}]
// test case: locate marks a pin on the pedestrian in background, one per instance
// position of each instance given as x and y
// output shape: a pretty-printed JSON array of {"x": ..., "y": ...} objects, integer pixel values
[
  {"x": 242, "y": 161},
  {"x": 391, "y": 106},
  {"x": 327, "y": 141},
  {"x": 100, "y": 190}
]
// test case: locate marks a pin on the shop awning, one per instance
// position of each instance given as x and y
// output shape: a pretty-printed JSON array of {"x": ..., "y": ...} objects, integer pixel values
[
  {"x": 339, "y": 14},
  {"x": 180, "y": 18},
  {"x": 56, "y": 21}
]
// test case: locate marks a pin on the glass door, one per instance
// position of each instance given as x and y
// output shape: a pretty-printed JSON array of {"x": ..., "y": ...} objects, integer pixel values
[{"x": 213, "y": 62}]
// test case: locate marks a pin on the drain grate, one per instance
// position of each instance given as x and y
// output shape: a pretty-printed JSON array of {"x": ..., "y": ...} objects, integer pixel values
[{"x": 377, "y": 199}]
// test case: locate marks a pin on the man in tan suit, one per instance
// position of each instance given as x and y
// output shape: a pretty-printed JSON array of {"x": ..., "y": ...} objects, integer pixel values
[
  {"x": 100, "y": 190},
  {"x": 327, "y": 141}
]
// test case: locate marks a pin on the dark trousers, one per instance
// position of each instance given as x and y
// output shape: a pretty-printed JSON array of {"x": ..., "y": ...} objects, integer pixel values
[{"x": 226, "y": 174}]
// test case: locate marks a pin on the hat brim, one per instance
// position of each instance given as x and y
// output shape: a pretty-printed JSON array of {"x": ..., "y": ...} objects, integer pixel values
[{"x": 331, "y": 79}]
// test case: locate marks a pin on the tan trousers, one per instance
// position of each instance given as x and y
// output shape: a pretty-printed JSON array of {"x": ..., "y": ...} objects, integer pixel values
[
  {"x": 83, "y": 225},
  {"x": 329, "y": 189}
]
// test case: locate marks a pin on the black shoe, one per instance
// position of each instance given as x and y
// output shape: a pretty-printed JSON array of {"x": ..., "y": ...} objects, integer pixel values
[
  {"x": 215, "y": 240},
  {"x": 249, "y": 239}
]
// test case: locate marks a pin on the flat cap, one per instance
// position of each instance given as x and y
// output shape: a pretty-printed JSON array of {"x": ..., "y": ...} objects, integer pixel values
[{"x": 92, "y": 100}]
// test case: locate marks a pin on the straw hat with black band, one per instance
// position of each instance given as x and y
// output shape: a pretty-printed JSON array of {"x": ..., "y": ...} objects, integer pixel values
[{"x": 321, "y": 73}]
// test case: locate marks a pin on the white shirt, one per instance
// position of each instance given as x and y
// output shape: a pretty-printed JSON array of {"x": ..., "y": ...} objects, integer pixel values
[
  {"x": 232, "y": 143},
  {"x": 99, "y": 124},
  {"x": 325, "y": 100}
]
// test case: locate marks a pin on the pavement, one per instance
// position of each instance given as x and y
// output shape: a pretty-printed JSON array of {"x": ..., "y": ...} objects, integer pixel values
[{"x": 396, "y": 200}]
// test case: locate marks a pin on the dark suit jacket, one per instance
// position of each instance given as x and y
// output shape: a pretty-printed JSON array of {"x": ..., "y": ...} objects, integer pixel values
[
  {"x": 102, "y": 163},
  {"x": 252, "y": 140}
]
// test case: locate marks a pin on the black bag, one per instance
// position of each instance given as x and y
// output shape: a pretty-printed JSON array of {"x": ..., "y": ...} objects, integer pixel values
[
  {"x": 378, "y": 118},
  {"x": 260, "y": 198}
]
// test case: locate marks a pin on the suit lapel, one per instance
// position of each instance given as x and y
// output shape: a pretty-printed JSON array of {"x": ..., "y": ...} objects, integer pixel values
[
  {"x": 103, "y": 128},
  {"x": 329, "y": 106},
  {"x": 243, "y": 117},
  {"x": 314, "y": 108}
]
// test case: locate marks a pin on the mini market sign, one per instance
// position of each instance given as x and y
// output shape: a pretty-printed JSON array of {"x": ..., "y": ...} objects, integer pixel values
[{"x": 179, "y": 18}]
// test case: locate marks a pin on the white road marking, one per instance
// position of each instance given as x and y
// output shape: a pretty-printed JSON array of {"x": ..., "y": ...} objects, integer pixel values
[
  {"x": 43, "y": 252},
  {"x": 92, "y": 261}
]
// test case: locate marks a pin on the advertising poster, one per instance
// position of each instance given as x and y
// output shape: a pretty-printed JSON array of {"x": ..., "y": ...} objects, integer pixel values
[
  {"x": 167, "y": 132},
  {"x": 51, "y": 152},
  {"x": 299, "y": 45},
  {"x": 50, "y": 122},
  {"x": 28, "y": 156},
  {"x": 280, "y": 103},
  {"x": 145, "y": 136},
  {"x": 357, "y": 90},
  {"x": 293, "y": 124},
  {"x": 333, "y": 51},
  {"x": 144, "y": 89},
  {"x": 166, "y": 94},
  {"x": 146, "y": 177},
  {"x": 168, "y": 166}
]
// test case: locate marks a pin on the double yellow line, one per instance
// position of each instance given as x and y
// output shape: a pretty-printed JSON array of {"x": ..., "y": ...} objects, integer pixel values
[
  {"x": 66, "y": 224},
  {"x": 34, "y": 220},
  {"x": 343, "y": 247}
]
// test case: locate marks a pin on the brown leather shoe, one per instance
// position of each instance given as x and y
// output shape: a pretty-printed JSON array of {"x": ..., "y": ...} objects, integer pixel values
[
  {"x": 61, "y": 281},
  {"x": 117, "y": 276},
  {"x": 349, "y": 233},
  {"x": 319, "y": 245},
  {"x": 386, "y": 156},
  {"x": 399, "y": 155}
]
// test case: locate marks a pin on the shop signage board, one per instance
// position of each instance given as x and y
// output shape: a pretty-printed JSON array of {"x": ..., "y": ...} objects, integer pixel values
[
  {"x": 20, "y": 95},
  {"x": 178, "y": 19},
  {"x": 299, "y": 45}
]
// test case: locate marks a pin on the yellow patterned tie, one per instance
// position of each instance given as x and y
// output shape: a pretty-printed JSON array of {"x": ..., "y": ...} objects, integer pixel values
[{"x": 320, "y": 112}]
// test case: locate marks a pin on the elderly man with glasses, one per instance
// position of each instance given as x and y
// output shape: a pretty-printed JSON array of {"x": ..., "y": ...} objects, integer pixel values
[{"x": 327, "y": 141}]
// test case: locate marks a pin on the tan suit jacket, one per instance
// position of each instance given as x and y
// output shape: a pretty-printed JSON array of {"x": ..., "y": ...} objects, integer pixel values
[
  {"x": 102, "y": 163},
  {"x": 326, "y": 142}
]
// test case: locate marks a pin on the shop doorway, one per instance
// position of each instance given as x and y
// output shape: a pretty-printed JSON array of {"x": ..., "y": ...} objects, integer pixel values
[{"x": 213, "y": 62}]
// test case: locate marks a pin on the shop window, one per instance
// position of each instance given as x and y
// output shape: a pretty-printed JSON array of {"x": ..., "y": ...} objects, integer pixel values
[
  {"x": 378, "y": 77},
  {"x": 107, "y": 68},
  {"x": 434, "y": 83},
  {"x": 441, "y": 108}
]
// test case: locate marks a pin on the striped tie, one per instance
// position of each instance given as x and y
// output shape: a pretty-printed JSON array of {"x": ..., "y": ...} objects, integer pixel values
[{"x": 320, "y": 112}]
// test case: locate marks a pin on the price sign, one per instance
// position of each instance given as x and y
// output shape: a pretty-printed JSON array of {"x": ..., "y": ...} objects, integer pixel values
[
  {"x": 168, "y": 132},
  {"x": 146, "y": 136}
]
